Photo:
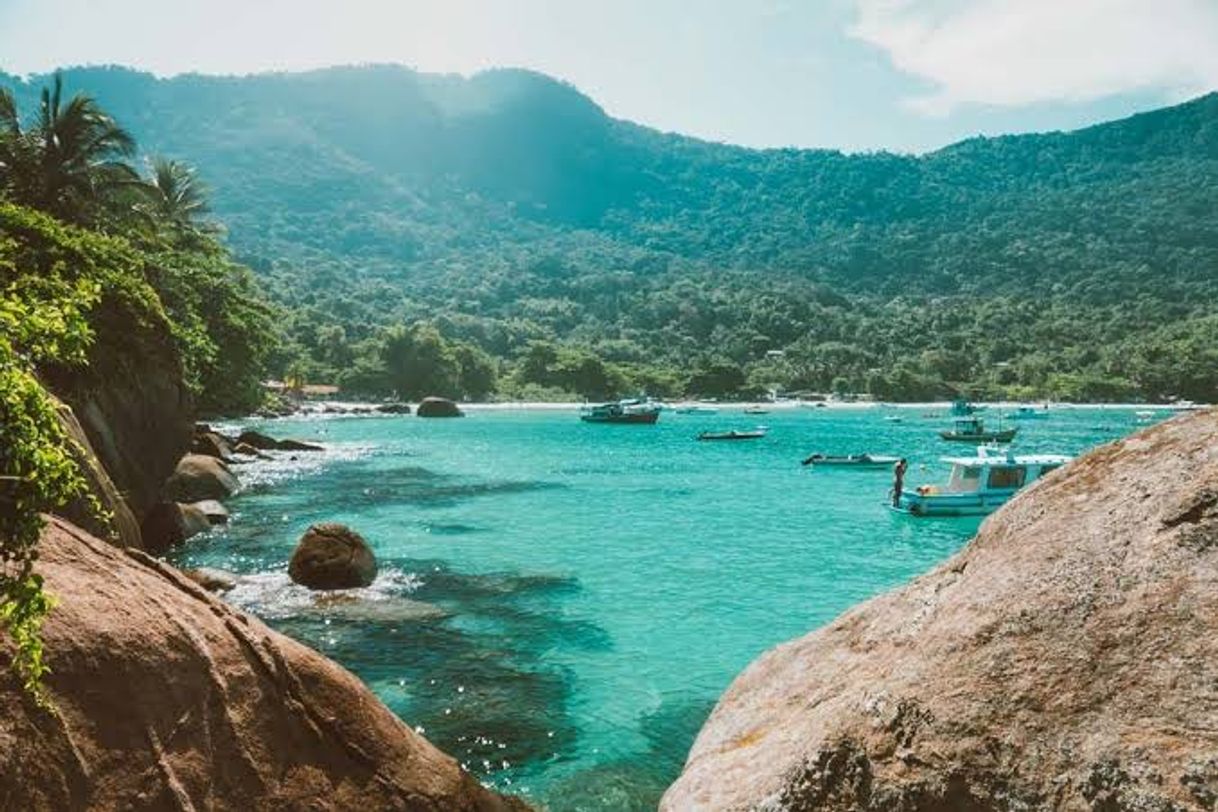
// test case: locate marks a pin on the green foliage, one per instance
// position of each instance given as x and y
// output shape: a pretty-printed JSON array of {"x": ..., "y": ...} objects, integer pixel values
[
  {"x": 42, "y": 320},
  {"x": 508, "y": 209}
]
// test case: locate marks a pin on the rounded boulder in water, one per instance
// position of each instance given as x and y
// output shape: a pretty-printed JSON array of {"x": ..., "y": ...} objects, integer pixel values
[{"x": 332, "y": 556}]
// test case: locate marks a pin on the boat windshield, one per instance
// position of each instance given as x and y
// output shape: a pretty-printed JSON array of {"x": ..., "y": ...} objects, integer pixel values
[
  {"x": 964, "y": 479},
  {"x": 1006, "y": 477}
]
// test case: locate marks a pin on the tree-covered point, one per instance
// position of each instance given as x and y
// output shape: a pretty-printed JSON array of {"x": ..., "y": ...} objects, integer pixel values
[{"x": 507, "y": 210}]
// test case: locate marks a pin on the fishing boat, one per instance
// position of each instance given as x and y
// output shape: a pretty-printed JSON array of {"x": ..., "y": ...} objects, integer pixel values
[
  {"x": 973, "y": 430},
  {"x": 852, "y": 460},
  {"x": 697, "y": 410},
  {"x": 1029, "y": 413},
  {"x": 735, "y": 434},
  {"x": 623, "y": 411},
  {"x": 977, "y": 485}
]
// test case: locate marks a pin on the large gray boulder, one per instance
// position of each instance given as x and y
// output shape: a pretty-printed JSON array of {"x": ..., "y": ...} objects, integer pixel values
[
  {"x": 198, "y": 477},
  {"x": 332, "y": 556},
  {"x": 1065, "y": 659}
]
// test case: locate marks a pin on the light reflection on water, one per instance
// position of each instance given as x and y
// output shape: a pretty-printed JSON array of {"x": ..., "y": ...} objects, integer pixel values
[{"x": 560, "y": 604}]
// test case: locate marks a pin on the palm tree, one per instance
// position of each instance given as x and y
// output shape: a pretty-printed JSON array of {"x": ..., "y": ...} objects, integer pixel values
[
  {"x": 70, "y": 162},
  {"x": 175, "y": 194}
]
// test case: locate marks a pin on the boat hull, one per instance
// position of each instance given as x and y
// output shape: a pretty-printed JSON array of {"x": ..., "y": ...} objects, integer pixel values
[
  {"x": 951, "y": 504},
  {"x": 1005, "y": 436},
  {"x": 642, "y": 418}
]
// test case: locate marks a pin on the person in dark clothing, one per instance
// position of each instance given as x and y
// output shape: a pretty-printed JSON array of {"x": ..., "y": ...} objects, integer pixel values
[{"x": 898, "y": 480}]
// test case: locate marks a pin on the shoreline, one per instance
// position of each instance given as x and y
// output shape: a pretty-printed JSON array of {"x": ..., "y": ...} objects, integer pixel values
[{"x": 356, "y": 408}]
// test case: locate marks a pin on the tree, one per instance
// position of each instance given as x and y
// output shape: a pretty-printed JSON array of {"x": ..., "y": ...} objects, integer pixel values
[
  {"x": 175, "y": 195},
  {"x": 70, "y": 162},
  {"x": 419, "y": 362}
]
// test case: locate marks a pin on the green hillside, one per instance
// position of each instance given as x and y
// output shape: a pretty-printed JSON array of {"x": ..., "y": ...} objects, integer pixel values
[{"x": 592, "y": 255}]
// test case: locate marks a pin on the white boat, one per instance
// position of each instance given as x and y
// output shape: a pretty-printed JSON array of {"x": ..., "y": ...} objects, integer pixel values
[
  {"x": 1145, "y": 416},
  {"x": 1029, "y": 413},
  {"x": 978, "y": 485}
]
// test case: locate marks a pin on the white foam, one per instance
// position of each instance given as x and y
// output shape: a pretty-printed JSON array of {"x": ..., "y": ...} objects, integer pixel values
[{"x": 274, "y": 595}]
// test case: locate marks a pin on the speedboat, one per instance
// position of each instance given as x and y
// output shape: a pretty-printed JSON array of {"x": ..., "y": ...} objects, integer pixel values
[
  {"x": 977, "y": 485},
  {"x": 1029, "y": 413},
  {"x": 623, "y": 411},
  {"x": 972, "y": 430},
  {"x": 754, "y": 434},
  {"x": 852, "y": 460},
  {"x": 756, "y": 410}
]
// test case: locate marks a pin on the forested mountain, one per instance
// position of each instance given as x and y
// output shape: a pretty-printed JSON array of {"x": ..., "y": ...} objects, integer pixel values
[{"x": 591, "y": 255}]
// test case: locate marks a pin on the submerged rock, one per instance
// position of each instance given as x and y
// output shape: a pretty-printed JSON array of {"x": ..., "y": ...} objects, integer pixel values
[
  {"x": 166, "y": 698},
  {"x": 332, "y": 556},
  {"x": 200, "y": 477},
  {"x": 392, "y": 609},
  {"x": 1063, "y": 660},
  {"x": 438, "y": 407},
  {"x": 213, "y": 580}
]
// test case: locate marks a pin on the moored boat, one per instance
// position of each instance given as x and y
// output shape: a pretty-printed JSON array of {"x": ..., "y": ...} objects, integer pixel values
[
  {"x": 977, "y": 485},
  {"x": 623, "y": 411},
  {"x": 697, "y": 410},
  {"x": 973, "y": 430},
  {"x": 1029, "y": 413},
  {"x": 734, "y": 434},
  {"x": 852, "y": 460}
]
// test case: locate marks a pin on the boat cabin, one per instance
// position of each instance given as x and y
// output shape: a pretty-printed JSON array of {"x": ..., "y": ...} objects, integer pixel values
[{"x": 978, "y": 485}]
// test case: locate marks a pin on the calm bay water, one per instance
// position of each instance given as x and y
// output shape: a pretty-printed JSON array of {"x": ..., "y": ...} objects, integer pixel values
[{"x": 560, "y": 604}]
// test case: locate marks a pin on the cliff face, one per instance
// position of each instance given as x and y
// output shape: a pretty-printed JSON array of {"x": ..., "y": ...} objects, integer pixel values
[
  {"x": 167, "y": 698},
  {"x": 1064, "y": 659}
]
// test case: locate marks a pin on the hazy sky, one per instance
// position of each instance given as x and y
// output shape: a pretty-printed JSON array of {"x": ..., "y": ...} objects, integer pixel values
[{"x": 853, "y": 74}]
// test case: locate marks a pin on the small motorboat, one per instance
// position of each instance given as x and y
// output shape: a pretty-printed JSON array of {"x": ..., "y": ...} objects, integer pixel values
[
  {"x": 1029, "y": 413},
  {"x": 894, "y": 418},
  {"x": 623, "y": 411},
  {"x": 735, "y": 434},
  {"x": 977, "y": 485},
  {"x": 756, "y": 410},
  {"x": 852, "y": 460},
  {"x": 973, "y": 430}
]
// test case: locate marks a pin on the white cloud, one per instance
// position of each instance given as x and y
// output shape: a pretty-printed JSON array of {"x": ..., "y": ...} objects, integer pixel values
[{"x": 1016, "y": 52}]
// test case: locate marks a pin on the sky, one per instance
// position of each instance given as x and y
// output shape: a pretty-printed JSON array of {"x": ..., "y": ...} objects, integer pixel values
[{"x": 903, "y": 75}]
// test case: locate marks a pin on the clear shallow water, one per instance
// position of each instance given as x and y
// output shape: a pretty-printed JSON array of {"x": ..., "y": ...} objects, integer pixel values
[{"x": 560, "y": 604}]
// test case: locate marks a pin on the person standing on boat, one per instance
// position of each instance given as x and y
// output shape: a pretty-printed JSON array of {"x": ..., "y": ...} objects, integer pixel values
[{"x": 898, "y": 480}]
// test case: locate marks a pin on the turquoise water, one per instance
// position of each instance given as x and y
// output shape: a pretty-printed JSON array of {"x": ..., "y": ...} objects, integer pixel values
[{"x": 559, "y": 604}]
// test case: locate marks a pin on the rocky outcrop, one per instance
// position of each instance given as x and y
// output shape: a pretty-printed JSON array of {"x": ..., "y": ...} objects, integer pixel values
[
  {"x": 166, "y": 698},
  {"x": 119, "y": 525},
  {"x": 198, "y": 477},
  {"x": 438, "y": 407},
  {"x": 332, "y": 556},
  {"x": 130, "y": 399},
  {"x": 393, "y": 408},
  {"x": 261, "y": 442},
  {"x": 1063, "y": 660}
]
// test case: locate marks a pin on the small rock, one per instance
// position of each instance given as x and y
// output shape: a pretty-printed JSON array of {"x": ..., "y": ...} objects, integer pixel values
[
  {"x": 393, "y": 408},
  {"x": 247, "y": 450},
  {"x": 215, "y": 512},
  {"x": 332, "y": 556},
  {"x": 211, "y": 444},
  {"x": 169, "y": 523},
  {"x": 213, "y": 580},
  {"x": 438, "y": 407}
]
